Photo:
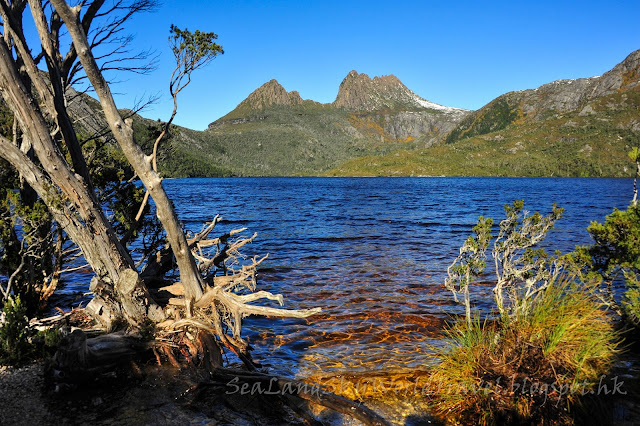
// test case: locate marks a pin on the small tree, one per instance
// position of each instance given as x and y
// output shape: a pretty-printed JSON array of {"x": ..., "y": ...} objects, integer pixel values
[
  {"x": 469, "y": 263},
  {"x": 615, "y": 254},
  {"x": 191, "y": 51},
  {"x": 522, "y": 270}
]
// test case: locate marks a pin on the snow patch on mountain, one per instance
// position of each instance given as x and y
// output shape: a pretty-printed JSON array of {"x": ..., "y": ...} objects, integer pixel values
[{"x": 431, "y": 105}]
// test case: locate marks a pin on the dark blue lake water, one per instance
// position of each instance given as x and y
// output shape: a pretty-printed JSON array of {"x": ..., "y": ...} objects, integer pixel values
[{"x": 373, "y": 254}]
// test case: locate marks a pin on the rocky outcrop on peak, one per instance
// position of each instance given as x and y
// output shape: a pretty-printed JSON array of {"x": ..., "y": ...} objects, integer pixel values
[
  {"x": 270, "y": 93},
  {"x": 359, "y": 92},
  {"x": 624, "y": 76}
]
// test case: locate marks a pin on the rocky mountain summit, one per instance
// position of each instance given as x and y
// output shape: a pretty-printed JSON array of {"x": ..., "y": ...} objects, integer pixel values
[
  {"x": 270, "y": 93},
  {"x": 359, "y": 92}
]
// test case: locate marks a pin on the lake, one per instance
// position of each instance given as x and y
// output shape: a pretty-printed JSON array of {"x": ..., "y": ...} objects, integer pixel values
[{"x": 373, "y": 254}]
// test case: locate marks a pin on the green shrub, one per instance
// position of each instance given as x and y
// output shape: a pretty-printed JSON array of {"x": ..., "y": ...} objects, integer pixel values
[
  {"x": 549, "y": 343},
  {"x": 19, "y": 343},
  {"x": 14, "y": 333},
  {"x": 615, "y": 254}
]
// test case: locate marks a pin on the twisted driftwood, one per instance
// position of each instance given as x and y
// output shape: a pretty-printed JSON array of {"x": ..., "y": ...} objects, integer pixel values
[{"x": 228, "y": 297}]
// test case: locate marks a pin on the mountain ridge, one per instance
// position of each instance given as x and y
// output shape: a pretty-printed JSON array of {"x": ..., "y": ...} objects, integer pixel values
[
  {"x": 549, "y": 100},
  {"x": 276, "y": 132},
  {"x": 579, "y": 127},
  {"x": 377, "y": 126},
  {"x": 357, "y": 93}
]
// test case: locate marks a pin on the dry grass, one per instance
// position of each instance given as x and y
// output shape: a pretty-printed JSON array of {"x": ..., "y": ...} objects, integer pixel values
[{"x": 531, "y": 369}]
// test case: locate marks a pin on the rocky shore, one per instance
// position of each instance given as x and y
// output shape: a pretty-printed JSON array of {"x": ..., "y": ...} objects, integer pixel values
[{"x": 21, "y": 396}]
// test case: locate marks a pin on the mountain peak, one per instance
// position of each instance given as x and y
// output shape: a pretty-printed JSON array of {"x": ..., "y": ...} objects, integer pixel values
[
  {"x": 624, "y": 76},
  {"x": 359, "y": 92},
  {"x": 271, "y": 93}
]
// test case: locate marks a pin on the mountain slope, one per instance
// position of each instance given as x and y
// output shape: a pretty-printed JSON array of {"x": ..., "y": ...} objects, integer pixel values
[
  {"x": 549, "y": 101},
  {"x": 580, "y": 127},
  {"x": 275, "y": 132}
]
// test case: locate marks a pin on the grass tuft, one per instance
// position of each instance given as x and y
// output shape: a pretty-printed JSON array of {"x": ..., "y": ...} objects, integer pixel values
[{"x": 529, "y": 369}]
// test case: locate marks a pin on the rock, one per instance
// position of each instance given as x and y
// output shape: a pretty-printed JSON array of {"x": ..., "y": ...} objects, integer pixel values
[{"x": 270, "y": 93}]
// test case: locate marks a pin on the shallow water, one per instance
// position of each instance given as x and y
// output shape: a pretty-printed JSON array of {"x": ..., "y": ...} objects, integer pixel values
[{"x": 373, "y": 254}]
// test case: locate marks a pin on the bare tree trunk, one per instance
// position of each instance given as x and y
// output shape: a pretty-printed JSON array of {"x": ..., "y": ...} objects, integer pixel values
[
  {"x": 141, "y": 163},
  {"x": 70, "y": 197},
  {"x": 74, "y": 207},
  {"x": 635, "y": 185}
]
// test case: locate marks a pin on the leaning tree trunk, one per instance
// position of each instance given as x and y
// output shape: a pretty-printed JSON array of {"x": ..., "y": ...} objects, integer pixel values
[
  {"x": 123, "y": 132},
  {"x": 73, "y": 206},
  {"x": 68, "y": 196}
]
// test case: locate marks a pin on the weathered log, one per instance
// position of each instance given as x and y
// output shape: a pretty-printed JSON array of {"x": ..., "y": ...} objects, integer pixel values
[{"x": 79, "y": 359}]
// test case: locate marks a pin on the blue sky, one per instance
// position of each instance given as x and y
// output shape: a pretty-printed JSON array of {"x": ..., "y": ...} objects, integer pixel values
[{"x": 455, "y": 53}]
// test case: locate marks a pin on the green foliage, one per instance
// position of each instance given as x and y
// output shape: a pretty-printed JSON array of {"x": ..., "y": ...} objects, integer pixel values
[
  {"x": 631, "y": 303},
  {"x": 18, "y": 342},
  {"x": 634, "y": 154},
  {"x": 191, "y": 51},
  {"x": 14, "y": 333},
  {"x": 8, "y": 175},
  {"x": 616, "y": 254},
  {"x": 194, "y": 48},
  {"x": 469, "y": 263},
  {"x": 26, "y": 247},
  {"x": 617, "y": 241}
]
